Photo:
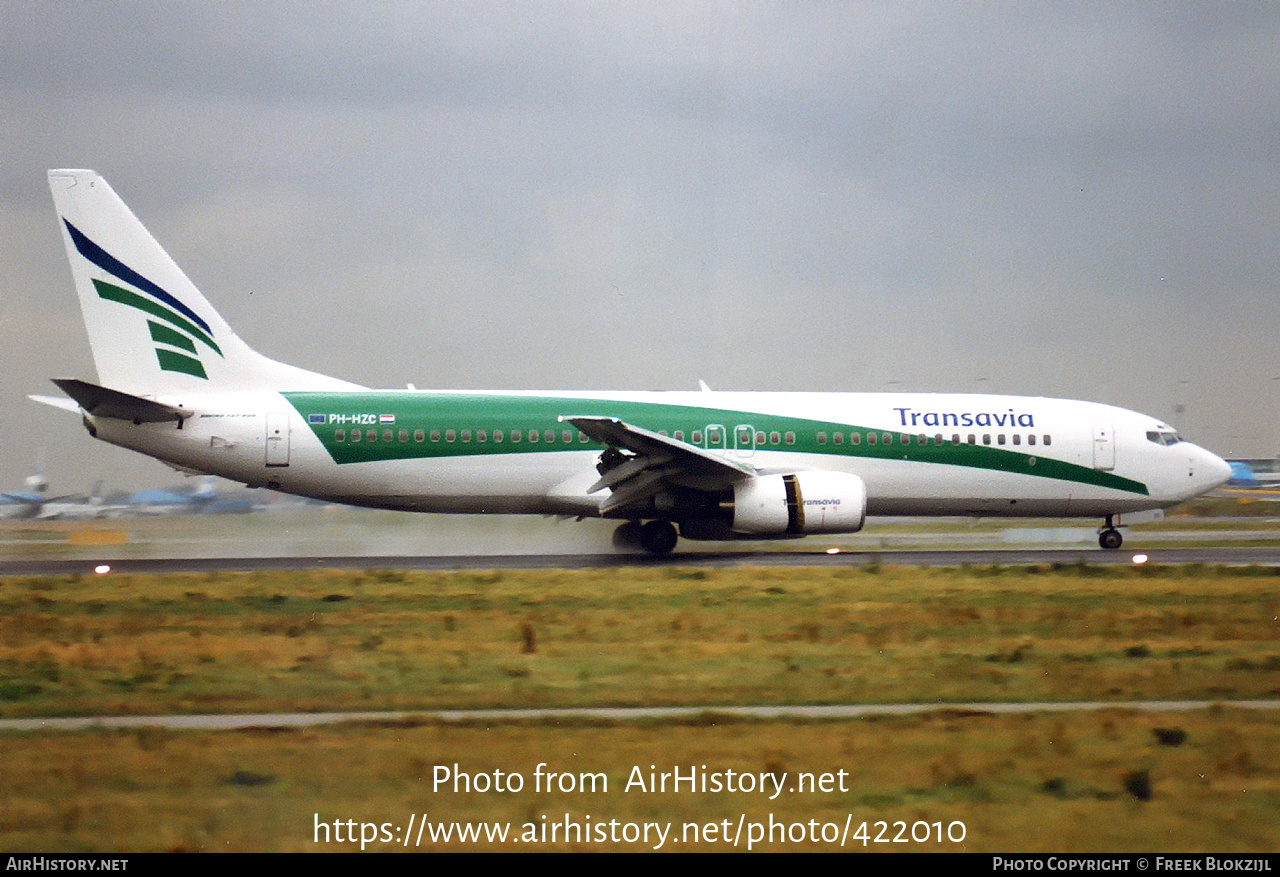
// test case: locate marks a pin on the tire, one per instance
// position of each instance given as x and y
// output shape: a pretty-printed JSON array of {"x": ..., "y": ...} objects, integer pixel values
[
  {"x": 627, "y": 536},
  {"x": 658, "y": 537}
]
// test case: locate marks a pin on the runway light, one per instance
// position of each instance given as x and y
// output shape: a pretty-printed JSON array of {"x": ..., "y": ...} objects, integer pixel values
[
  {"x": 1139, "y": 558},
  {"x": 833, "y": 551},
  {"x": 102, "y": 569}
]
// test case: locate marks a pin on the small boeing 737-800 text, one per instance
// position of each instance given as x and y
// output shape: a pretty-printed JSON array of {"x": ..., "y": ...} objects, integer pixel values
[{"x": 177, "y": 384}]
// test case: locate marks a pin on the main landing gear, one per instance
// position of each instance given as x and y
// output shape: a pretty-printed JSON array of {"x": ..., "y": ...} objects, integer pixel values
[
  {"x": 1109, "y": 537},
  {"x": 656, "y": 537}
]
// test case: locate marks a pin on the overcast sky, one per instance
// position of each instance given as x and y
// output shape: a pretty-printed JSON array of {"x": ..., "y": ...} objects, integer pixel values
[{"x": 1066, "y": 199}]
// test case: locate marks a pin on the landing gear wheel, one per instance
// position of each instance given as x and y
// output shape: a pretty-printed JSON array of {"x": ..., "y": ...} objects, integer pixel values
[
  {"x": 1110, "y": 539},
  {"x": 658, "y": 537},
  {"x": 627, "y": 536}
]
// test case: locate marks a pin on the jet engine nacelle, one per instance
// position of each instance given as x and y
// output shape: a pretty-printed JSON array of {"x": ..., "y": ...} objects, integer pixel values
[{"x": 803, "y": 502}]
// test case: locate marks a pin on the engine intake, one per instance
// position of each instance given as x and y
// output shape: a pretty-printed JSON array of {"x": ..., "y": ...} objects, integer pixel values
[{"x": 799, "y": 503}]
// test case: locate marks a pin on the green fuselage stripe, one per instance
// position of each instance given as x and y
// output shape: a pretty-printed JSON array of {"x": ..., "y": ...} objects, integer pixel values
[{"x": 384, "y": 415}]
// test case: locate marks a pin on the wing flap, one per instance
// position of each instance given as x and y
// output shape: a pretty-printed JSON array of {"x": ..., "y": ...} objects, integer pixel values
[
  {"x": 621, "y": 473},
  {"x": 639, "y": 487}
]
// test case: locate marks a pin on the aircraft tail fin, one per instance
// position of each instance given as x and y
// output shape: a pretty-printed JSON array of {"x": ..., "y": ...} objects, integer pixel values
[{"x": 151, "y": 330}]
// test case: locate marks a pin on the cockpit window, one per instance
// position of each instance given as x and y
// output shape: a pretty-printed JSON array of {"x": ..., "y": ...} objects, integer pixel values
[{"x": 1164, "y": 437}]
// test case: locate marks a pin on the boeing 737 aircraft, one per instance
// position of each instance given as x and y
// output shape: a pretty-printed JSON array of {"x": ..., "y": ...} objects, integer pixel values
[
  {"x": 176, "y": 383},
  {"x": 26, "y": 504}
]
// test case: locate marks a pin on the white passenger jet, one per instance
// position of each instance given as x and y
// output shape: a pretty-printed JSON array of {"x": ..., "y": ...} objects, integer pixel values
[{"x": 176, "y": 383}]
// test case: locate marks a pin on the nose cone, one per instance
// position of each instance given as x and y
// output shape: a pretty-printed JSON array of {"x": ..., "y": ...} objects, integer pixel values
[{"x": 1213, "y": 470}]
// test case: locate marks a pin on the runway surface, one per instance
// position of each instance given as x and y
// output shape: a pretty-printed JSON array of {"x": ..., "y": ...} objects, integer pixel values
[
  {"x": 1234, "y": 556},
  {"x": 301, "y": 720}
]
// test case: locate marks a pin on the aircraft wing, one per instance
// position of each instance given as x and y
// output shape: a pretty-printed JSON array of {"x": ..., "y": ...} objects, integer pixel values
[{"x": 643, "y": 462}]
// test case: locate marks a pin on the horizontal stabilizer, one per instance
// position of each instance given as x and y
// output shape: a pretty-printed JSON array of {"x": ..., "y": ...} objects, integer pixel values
[
  {"x": 55, "y": 402},
  {"x": 104, "y": 402}
]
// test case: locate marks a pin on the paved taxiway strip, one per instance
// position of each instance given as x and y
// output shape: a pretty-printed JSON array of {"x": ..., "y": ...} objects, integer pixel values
[
  {"x": 850, "y": 711},
  {"x": 1234, "y": 556}
]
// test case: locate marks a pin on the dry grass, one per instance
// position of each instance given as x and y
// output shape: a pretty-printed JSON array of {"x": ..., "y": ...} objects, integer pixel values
[
  {"x": 1064, "y": 783},
  {"x": 330, "y": 640},
  {"x": 327, "y": 640}
]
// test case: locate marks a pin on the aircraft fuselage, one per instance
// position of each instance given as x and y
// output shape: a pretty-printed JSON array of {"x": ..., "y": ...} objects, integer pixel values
[{"x": 478, "y": 452}]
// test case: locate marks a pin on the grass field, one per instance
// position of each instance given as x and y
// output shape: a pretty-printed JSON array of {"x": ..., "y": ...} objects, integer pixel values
[
  {"x": 260, "y": 642},
  {"x": 256, "y": 642},
  {"x": 1111, "y": 781}
]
